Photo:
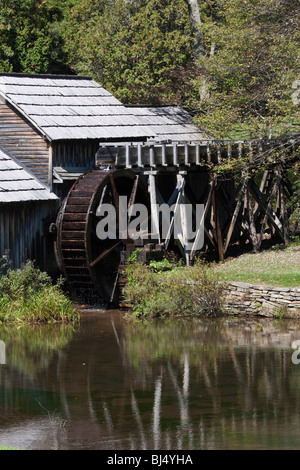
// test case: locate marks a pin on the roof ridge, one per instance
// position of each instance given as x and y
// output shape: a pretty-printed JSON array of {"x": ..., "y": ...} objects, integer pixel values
[{"x": 45, "y": 75}]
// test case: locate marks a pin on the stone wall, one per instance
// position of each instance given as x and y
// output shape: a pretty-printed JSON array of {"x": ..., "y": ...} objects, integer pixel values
[{"x": 250, "y": 299}]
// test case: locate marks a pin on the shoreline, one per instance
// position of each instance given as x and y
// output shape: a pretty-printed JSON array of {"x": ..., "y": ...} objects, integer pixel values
[{"x": 242, "y": 298}]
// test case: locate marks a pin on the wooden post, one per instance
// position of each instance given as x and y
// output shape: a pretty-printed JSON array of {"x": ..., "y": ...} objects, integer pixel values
[
  {"x": 127, "y": 156},
  {"x": 236, "y": 212},
  {"x": 139, "y": 155},
  {"x": 218, "y": 232},
  {"x": 163, "y": 155},
  {"x": 284, "y": 215},
  {"x": 197, "y": 154},
  {"x": 186, "y": 154},
  {"x": 151, "y": 153},
  {"x": 175, "y": 155},
  {"x": 172, "y": 226},
  {"x": 154, "y": 208},
  {"x": 252, "y": 227}
]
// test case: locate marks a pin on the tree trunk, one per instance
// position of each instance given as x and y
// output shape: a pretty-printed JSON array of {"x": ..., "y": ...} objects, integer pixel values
[
  {"x": 195, "y": 20},
  {"x": 198, "y": 49}
]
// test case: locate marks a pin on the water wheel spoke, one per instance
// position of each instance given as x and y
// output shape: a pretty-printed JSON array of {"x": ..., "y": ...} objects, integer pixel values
[
  {"x": 133, "y": 193},
  {"x": 102, "y": 200},
  {"x": 115, "y": 193},
  {"x": 105, "y": 253}
]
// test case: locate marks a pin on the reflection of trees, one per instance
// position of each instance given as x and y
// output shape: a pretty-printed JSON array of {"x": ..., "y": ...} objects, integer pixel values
[
  {"x": 186, "y": 384},
  {"x": 244, "y": 391},
  {"x": 169, "y": 338},
  {"x": 29, "y": 352},
  {"x": 30, "y": 348}
]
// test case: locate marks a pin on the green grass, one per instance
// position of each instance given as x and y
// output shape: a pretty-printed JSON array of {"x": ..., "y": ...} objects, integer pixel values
[
  {"x": 7, "y": 448},
  {"x": 276, "y": 267},
  {"x": 29, "y": 295},
  {"x": 284, "y": 128}
]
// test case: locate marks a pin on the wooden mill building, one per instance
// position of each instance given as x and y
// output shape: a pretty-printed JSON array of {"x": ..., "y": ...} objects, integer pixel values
[{"x": 50, "y": 130}]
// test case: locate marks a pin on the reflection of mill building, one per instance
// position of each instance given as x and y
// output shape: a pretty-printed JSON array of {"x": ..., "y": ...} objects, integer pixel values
[{"x": 50, "y": 130}]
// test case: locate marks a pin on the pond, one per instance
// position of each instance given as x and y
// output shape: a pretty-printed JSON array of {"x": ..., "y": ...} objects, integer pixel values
[{"x": 115, "y": 384}]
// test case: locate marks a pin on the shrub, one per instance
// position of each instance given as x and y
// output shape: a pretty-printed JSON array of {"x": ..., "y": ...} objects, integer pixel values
[
  {"x": 207, "y": 289},
  {"x": 28, "y": 294},
  {"x": 158, "y": 289}
]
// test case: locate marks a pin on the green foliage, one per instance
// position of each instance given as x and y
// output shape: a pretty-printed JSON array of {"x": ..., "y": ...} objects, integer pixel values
[
  {"x": 162, "y": 265},
  {"x": 29, "y": 35},
  {"x": 141, "y": 51},
  {"x": 159, "y": 289},
  {"x": 27, "y": 294},
  {"x": 249, "y": 76},
  {"x": 133, "y": 257}
]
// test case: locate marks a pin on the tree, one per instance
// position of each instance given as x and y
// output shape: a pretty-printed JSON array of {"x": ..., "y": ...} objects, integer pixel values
[
  {"x": 140, "y": 50},
  {"x": 29, "y": 39},
  {"x": 233, "y": 64},
  {"x": 251, "y": 74}
]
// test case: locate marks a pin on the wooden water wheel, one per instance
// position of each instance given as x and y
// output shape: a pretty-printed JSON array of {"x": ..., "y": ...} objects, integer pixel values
[{"x": 89, "y": 264}]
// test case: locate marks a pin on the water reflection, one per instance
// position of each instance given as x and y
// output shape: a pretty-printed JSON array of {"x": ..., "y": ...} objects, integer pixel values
[
  {"x": 232, "y": 374},
  {"x": 180, "y": 384}
]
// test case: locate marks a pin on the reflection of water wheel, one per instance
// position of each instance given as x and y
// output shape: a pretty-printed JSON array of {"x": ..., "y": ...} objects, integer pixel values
[{"x": 90, "y": 265}]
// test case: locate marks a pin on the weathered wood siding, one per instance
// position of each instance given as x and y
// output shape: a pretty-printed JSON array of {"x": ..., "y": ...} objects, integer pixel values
[
  {"x": 24, "y": 232},
  {"x": 23, "y": 142},
  {"x": 75, "y": 153}
]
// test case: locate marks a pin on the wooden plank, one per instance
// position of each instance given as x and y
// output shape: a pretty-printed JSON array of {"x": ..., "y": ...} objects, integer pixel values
[
  {"x": 284, "y": 214},
  {"x": 79, "y": 200},
  {"x": 223, "y": 201},
  {"x": 73, "y": 226},
  {"x": 154, "y": 209},
  {"x": 218, "y": 233},
  {"x": 252, "y": 227},
  {"x": 77, "y": 208},
  {"x": 71, "y": 234},
  {"x": 205, "y": 212},
  {"x": 79, "y": 193},
  {"x": 73, "y": 243},
  {"x": 266, "y": 207},
  {"x": 235, "y": 213}
]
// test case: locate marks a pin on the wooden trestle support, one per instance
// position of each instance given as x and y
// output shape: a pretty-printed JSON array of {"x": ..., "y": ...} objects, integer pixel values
[{"x": 238, "y": 209}]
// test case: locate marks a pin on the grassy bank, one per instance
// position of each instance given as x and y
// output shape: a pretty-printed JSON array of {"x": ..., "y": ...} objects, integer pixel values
[
  {"x": 29, "y": 295},
  {"x": 275, "y": 267},
  {"x": 164, "y": 289}
]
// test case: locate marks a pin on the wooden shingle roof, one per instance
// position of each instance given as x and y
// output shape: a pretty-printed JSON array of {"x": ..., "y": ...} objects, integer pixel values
[
  {"x": 70, "y": 107},
  {"x": 18, "y": 184},
  {"x": 168, "y": 123}
]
